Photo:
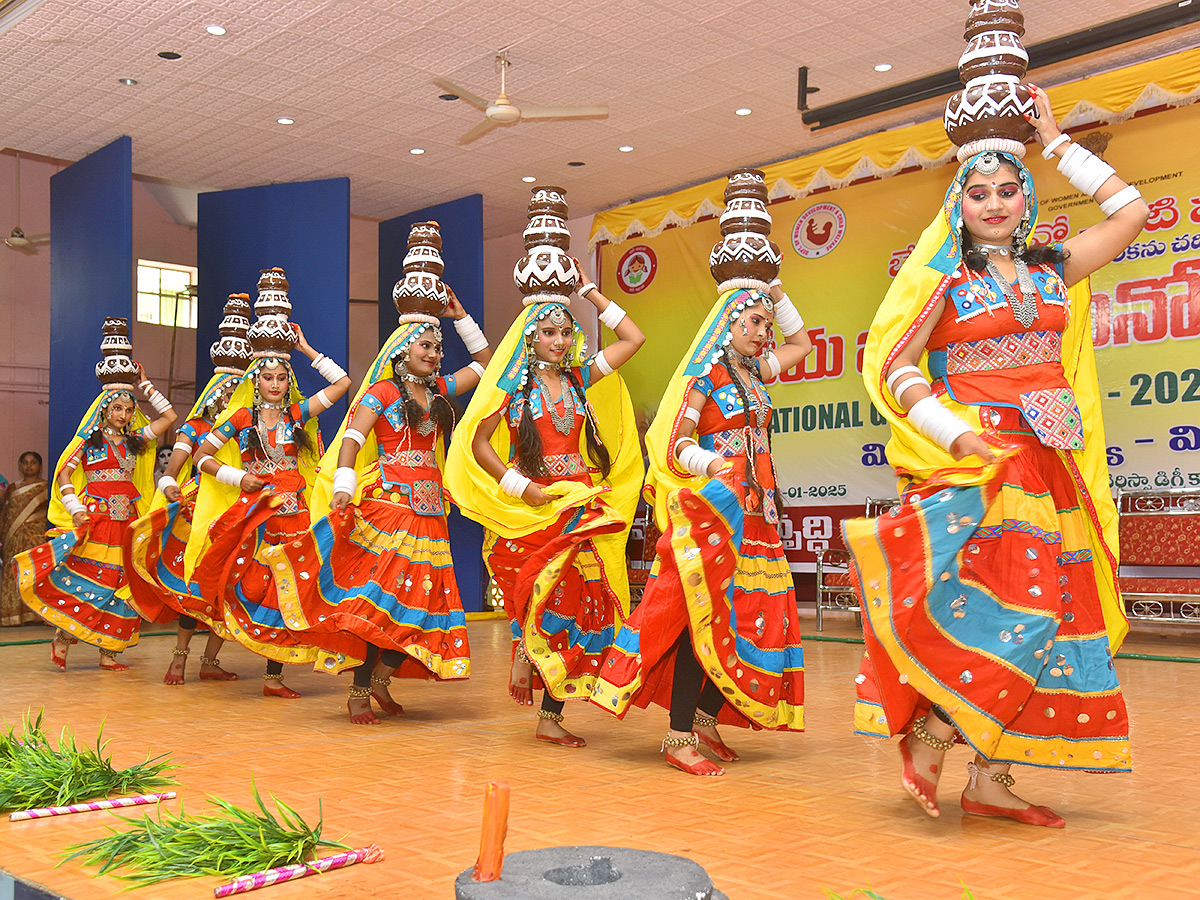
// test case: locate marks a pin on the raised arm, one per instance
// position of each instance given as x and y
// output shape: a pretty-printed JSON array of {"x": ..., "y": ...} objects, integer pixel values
[
  {"x": 796, "y": 343},
  {"x": 339, "y": 381},
  {"x": 467, "y": 378},
  {"x": 162, "y": 406},
  {"x": 180, "y": 454},
  {"x": 629, "y": 337},
  {"x": 1122, "y": 204}
]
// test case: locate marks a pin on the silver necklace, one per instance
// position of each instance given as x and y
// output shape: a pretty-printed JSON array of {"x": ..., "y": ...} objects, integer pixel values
[
  {"x": 1024, "y": 309},
  {"x": 126, "y": 462},
  {"x": 989, "y": 249},
  {"x": 543, "y": 364},
  {"x": 274, "y": 453},
  {"x": 267, "y": 404},
  {"x": 564, "y": 422}
]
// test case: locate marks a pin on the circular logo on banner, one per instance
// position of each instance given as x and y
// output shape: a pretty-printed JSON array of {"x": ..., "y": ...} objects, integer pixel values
[
  {"x": 636, "y": 269},
  {"x": 819, "y": 229}
]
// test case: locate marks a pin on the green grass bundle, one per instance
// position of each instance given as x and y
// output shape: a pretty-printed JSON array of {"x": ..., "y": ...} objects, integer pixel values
[
  {"x": 235, "y": 842},
  {"x": 33, "y": 773}
]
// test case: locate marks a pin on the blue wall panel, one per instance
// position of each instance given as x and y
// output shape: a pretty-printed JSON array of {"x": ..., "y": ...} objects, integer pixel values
[
  {"x": 304, "y": 228},
  {"x": 91, "y": 276},
  {"x": 461, "y": 224}
]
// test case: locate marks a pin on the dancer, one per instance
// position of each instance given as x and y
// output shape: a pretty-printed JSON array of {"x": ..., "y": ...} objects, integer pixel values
[
  {"x": 156, "y": 543},
  {"x": 23, "y": 526},
  {"x": 990, "y": 608},
  {"x": 558, "y": 524},
  {"x": 275, "y": 444},
  {"x": 373, "y": 582},
  {"x": 715, "y": 637},
  {"x": 77, "y": 580}
]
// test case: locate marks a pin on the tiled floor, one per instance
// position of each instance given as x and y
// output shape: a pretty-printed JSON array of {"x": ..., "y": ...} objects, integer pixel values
[{"x": 799, "y": 814}]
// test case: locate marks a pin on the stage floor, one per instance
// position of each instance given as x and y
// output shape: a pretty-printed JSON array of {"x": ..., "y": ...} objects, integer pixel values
[{"x": 799, "y": 814}]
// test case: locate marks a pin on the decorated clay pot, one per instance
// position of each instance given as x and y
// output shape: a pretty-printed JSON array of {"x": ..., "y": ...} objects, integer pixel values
[
  {"x": 989, "y": 110},
  {"x": 116, "y": 368},
  {"x": 745, "y": 254},
  {"x": 546, "y": 270},
  {"x": 231, "y": 352},
  {"x": 745, "y": 214},
  {"x": 548, "y": 230},
  {"x": 426, "y": 233},
  {"x": 420, "y": 295},
  {"x": 746, "y": 183},
  {"x": 272, "y": 297},
  {"x": 548, "y": 200}
]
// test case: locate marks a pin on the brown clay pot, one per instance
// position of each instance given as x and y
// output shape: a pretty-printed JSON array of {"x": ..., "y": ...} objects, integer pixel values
[
  {"x": 745, "y": 255},
  {"x": 548, "y": 200},
  {"x": 992, "y": 110}
]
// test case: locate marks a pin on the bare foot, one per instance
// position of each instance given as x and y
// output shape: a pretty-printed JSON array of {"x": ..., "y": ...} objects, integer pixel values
[
  {"x": 520, "y": 681},
  {"x": 552, "y": 732},
  {"x": 110, "y": 664},
  {"x": 274, "y": 687},
  {"x": 212, "y": 671},
  {"x": 984, "y": 796},
  {"x": 712, "y": 739},
  {"x": 175, "y": 669},
  {"x": 58, "y": 652},
  {"x": 687, "y": 758},
  {"x": 922, "y": 767},
  {"x": 382, "y": 696},
  {"x": 360, "y": 711}
]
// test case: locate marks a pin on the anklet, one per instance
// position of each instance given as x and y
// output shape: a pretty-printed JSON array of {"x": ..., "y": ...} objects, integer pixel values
[
  {"x": 111, "y": 654},
  {"x": 359, "y": 693},
  {"x": 550, "y": 716},
  {"x": 704, "y": 720},
  {"x": 382, "y": 682},
  {"x": 923, "y": 735},
  {"x": 65, "y": 637},
  {"x": 974, "y": 771},
  {"x": 271, "y": 677},
  {"x": 181, "y": 651},
  {"x": 209, "y": 660},
  {"x": 522, "y": 655},
  {"x": 675, "y": 742}
]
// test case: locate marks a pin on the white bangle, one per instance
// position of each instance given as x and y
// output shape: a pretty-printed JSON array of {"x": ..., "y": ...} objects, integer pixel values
[
  {"x": 328, "y": 369},
  {"x": 774, "y": 367},
  {"x": 775, "y": 281},
  {"x": 148, "y": 433},
  {"x": 905, "y": 383},
  {"x": 353, "y": 434},
  {"x": 1086, "y": 171},
  {"x": 1120, "y": 200},
  {"x": 476, "y": 367},
  {"x": 165, "y": 482},
  {"x": 612, "y": 316},
  {"x": 345, "y": 480},
  {"x": 184, "y": 446},
  {"x": 583, "y": 289},
  {"x": 160, "y": 403},
  {"x": 787, "y": 317},
  {"x": 146, "y": 385},
  {"x": 602, "y": 364},
  {"x": 514, "y": 483},
  {"x": 896, "y": 373},
  {"x": 471, "y": 334},
  {"x": 67, "y": 488},
  {"x": 692, "y": 415},
  {"x": 1049, "y": 150},
  {"x": 937, "y": 423},
  {"x": 72, "y": 504},
  {"x": 695, "y": 458},
  {"x": 322, "y": 398},
  {"x": 230, "y": 475}
]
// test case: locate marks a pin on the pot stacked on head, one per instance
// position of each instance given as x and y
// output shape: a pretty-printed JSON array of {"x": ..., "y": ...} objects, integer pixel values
[
  {"x": 745, "y": 257},
  {"x": 272, "y": 335},
  {"x": 547, "y": 273},
  {"x": 988, "y": 113},
  {"x": 117, "y": 371},
  {"x": 231, "y": 353},
  {"x": 420, "y": 296}
]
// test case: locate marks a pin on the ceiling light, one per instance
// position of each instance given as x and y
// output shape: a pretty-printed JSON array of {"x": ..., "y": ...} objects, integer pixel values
[
  {"x": 576, "y": 164},
  {"x": 744, "y": 111},
  {"x": 417, "y": 151},
  {"x": 169, "y": 54},
  {"x": 883, "y": 67},
  {"x": 128, "y": 82},
  {"x": 626, "y": 149},
  {"x": 529, "y": 179},
  {"x": 284, "y": 120},
  {"x": 216, "y": 30}
]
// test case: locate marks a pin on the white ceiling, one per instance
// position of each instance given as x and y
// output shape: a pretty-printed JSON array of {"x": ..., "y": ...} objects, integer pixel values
[{"x": 355, "y": 75}]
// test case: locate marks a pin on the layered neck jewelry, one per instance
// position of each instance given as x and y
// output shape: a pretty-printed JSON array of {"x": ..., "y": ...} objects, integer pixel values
[
  {"x": 267, "y": 404},
  {"x": 563, "y": 422},
  {"x": 1025, "y": 309},
  {"x": 546, "y": 364},
  {"x": 989, "y": 249},
  {"x": 416, "y": 379},
  {"x": 276, "y": 452}
]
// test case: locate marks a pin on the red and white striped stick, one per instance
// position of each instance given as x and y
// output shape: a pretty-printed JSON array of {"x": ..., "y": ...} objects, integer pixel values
[
  {"x": 256, "y": 880},
  {"x": 115, "y": 803}
]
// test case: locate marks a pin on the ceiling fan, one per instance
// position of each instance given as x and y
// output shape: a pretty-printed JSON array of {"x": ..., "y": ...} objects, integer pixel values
[
  {"x": 505, "y": 112},
  {"x": 17, "y": 240}
]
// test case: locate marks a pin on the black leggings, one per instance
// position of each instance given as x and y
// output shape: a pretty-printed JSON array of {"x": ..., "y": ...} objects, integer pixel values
[
  {"x": 550, "y": 705},
  {"x": 187, "y": 623},
  {"x": 691, "y": 688},
  {"x": 390, "y": 658}
]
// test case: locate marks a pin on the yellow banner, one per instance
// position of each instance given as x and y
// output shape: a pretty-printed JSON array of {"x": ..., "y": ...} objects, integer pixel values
[{"x": 840, "y": 251}]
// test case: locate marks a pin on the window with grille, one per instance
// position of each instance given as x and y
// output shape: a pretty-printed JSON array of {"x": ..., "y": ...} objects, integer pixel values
[{"x": 162, "y": 294}]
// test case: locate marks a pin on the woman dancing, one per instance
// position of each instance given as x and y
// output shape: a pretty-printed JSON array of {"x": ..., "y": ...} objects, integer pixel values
[
  {"x": 558, "y": 524},
  {"x": 373, "y": 582},
  {"x": 77, "y": 580},
  {"x": 156, "y": 543},
  {"x": 23, "y": 526},
  {"x": 267, "y": 437},
  {"x": 989, "y": 604}
]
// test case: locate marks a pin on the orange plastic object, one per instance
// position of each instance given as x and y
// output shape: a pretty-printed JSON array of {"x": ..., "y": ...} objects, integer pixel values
[{"x": 495, "y": 827}]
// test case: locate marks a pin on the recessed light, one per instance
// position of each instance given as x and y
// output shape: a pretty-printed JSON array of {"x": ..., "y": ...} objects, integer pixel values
[
  {"x": 744, "y": 111},
  {"x": 128, "y": 82},
  {"x": 169, "y": 54},
  {"x": 529, "y": 179},
  {"x": 883, "y": 67},
  {"x": 447, "y": 96},
  {"x": 216, "y": 30},
  {"x": 417, "y": 151},
  {"x": 576, "y": 163},
  {"x": 284, "y": 120},
  {"x": 626, "y": 149}
]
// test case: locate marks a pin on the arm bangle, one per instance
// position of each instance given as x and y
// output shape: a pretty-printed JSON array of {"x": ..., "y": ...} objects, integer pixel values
[
  {"x": 72, "y": 504},
  {"x": 896, "y": 373},
  {"x": 695, "y": 458},
  {"x": 353, "y": 434},
  {"x": 322, "y": 398},
  {"x": 514, "y": 483},
  {"x": 937, "y": 423},
  {"x": 692, "y": 415},
  {"x": 613, "y": 315},
  {"x": 345, "y": 480},
  {"x": 165, "y": 482},
  {"x": 1120, "y": 199},
  {"x": 787, "y": 317},
  {"x": 772, "y": 364},
  {"x": 583, "y": 289},
  {"x": 1049, "y": 150},
  {"x": 229, "y": 475},
  {"x": 476, "y": 367},
  {"x": 602, "y": 364},
  {"x": 471, "y": 335},
  {"x": 328, "y": 369}
]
